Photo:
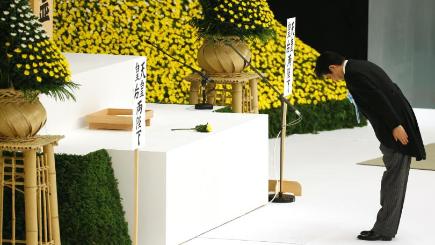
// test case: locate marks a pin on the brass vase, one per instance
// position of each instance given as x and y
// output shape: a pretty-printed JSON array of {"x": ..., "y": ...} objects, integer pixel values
[
  {"x": 20, "y": 118},
  {"x": 216, "y": 57}
]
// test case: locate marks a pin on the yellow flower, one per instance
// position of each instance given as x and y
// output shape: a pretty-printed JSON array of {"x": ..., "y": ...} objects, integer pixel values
[
  {"x": 39, "y": 79},
  {"x": 209, "y": 128},
  {"x": 26, "y": 72}
]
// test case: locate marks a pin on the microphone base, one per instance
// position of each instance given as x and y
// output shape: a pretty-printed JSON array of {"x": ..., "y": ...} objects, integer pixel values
[
  {"x": 282, "y": 198},
  {"x": 204, "y": 106}
]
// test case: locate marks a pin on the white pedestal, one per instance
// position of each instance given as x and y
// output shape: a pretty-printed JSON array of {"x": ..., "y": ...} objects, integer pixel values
[{"x": 190, "y": 182}]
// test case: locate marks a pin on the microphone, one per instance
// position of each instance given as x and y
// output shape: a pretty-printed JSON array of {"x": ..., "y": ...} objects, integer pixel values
[
  {"x": 204, "y": 78},
  {"x": 263, "y": 78}
]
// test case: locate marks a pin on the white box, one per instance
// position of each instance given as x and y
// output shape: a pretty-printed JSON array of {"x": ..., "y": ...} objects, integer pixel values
[{"x": 190, "y": 182}]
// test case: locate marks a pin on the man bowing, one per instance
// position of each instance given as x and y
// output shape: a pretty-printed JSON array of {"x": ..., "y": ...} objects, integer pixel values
[{"x": 381, "y": 101}]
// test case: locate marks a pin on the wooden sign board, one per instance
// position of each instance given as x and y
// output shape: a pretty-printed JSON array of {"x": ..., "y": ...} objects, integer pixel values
[{"x": 44, "y": 9}]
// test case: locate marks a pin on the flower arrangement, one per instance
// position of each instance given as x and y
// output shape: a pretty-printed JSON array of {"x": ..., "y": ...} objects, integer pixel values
[
  {"x": 116, "y": 27},
  {"x": 29, "y": 60},
  {"x": 245, "y": 19},
  {"x": 168, "y": 25}
]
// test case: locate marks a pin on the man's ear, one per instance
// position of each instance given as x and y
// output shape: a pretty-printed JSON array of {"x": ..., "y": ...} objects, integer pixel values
[{"x": 331, "y": 67}]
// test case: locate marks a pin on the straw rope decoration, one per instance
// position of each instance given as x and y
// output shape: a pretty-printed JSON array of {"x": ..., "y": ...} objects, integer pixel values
[{"x": 21, "y": 118}]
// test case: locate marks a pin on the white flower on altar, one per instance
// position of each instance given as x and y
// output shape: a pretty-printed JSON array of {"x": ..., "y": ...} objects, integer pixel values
[
  {"x": 13, "y": 34},
  {"x": 6, "y": 12}
]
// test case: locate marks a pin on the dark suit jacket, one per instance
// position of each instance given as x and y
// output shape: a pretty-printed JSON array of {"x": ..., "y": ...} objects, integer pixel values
[{"x": 384, "y": 105}]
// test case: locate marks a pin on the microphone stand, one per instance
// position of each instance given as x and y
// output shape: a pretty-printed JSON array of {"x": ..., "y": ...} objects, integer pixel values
[
  {"x": 281, "y": 197},
  {"x": 204, "y": 79}
]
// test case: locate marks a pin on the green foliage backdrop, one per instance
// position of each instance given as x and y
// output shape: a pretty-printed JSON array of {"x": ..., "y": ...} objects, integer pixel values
[{"x": 90, "y": 210}]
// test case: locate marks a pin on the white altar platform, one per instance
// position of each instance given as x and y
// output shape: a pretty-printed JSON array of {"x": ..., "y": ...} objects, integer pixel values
[{"x": 190, "y": 182}]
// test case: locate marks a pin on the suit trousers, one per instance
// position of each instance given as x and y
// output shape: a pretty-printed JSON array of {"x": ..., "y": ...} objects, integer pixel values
[{"x": 393, "y": 190}]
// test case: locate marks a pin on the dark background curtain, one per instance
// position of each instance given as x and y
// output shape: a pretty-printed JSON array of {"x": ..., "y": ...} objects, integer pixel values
[{"x": 336, "y": 25}]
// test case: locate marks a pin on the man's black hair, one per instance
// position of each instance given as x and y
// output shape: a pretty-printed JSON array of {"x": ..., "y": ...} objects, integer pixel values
[{"x": 325, "y": 60}]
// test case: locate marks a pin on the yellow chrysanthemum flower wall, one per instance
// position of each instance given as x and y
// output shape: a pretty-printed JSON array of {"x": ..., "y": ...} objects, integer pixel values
[
  {"x": 119, "y": 26},
  {"x": 245, "y": 19}
]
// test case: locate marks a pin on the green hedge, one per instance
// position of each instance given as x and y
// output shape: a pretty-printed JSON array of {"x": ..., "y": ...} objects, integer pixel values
[
  {"x": 329, "y": 115},
  {"x": 90, "y": 210}
]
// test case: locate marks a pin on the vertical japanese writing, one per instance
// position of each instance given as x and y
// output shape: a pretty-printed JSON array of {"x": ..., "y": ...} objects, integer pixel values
[
  {"x": 289, "y": 56},
  {"x": 44, "y": 11},
  {"x": 139, "y": 103}
]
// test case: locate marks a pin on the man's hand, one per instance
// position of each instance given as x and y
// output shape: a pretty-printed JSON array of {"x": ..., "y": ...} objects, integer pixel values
[{"x": 400, "y": 134}]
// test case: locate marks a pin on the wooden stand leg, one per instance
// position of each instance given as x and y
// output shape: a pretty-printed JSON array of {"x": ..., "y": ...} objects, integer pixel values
[
  {"x": 49, "y": 153},
  {"x": 254, "y": 93},
  {"x": 30, "y": 190},
  {"x": 211, "y": 93},
  {"x": 194, "y": 92},
  {"x": 1, "y": 195},
  {"x": 237, "y": 97}
]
